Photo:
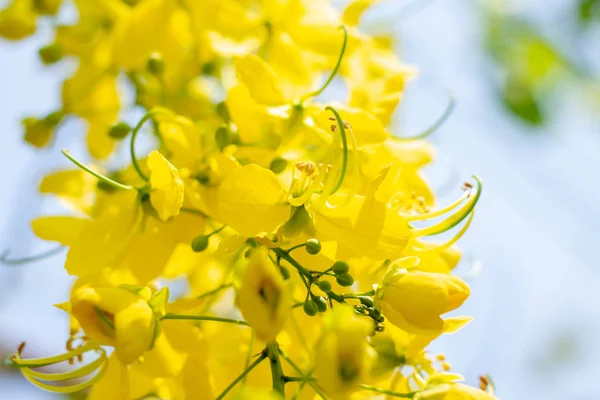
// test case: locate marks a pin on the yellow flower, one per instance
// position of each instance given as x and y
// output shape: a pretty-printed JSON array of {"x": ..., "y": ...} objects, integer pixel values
[
  {"x": 444, "y": 386},
  {"x": 166, "y": 195},
  {"x": 17, "y": 21},
  {"x": 342, "y": 355},
  {"x": 262, "y": 296},
  {"x": 115, "y": 316},
  {"x": 414, "y": 300},
  {"x": 252, "y": 201}
]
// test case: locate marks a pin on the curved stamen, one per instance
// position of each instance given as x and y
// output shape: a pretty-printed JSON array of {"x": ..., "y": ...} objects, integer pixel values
[
  {"x": 334, "y": 71},
  {"x": 450, "y": 242},
  {"x": 27, "y": 373},
  {"x": 436, "y": 213},
  {"x": 456, "y": 217},
  {"x": 29, "y": 259},
  {"x": 63, "y": 376},
  {"x": 344, "y": 167},
  {"x": 447, "y": 112},
  {"x": 137, "y": 128},
  {"x": 16, "y": 361},
  {"x": 98, "y": 175}
]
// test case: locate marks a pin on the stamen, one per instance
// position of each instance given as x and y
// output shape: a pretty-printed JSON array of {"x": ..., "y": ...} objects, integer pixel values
[
  {"x": 450, "y": 242},
  {"x": 134, "y": 161},
  {"x": 436, "y": 213},
  {"x": 333, "y": 72},
  {"x": 447, "y": 112},
  {"x": 29, "y": 259},
  {"x": 98, "y": 175},
  {"x": 16, "y": 361},
  {"x": 455, "y": 218}
]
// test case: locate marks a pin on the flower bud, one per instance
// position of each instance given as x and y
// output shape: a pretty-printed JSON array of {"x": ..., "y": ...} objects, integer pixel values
[
  {"x": 310, "y": 308},
  {"x": 223, "y": 111},
  {"x": 342, "y": 355},
  {"x": 285, "y": 272},
  {"x": 324, "y": 286},
  {"x": 51, "y": 53},
  {"x": 414, "y": 300},
  {"x": 366, "y": 300},
  {"x": 200, "y": 243},
  {"x": 119, "y": 130},
  {"x": 321, "y": 303},
  {"x": 262, "y": 296},
  {"x": 278, "y": 165},
  {"x": 118, "y": 317},
  {"x": 155, "y": 64},
  {"x": 340, "y": 267},
  {"x": 222, "y": 136},
  {"x": 344, "y": 279},
  {"x": 313, "y": 246}
]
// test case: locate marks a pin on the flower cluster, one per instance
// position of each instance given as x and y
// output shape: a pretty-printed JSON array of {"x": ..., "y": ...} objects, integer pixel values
[{"x": 295, "y": 233}]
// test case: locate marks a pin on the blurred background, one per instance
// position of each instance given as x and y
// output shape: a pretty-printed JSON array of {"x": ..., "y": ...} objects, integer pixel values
[{"x": 526, "y": 78}]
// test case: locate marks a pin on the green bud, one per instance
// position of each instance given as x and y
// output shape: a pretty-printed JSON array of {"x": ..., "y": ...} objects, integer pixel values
[
  {"x": 200, "y": 243},
  {"x": 374, "y": 313},
  {"x": 119, "y": 130},
  {"x": 344, "y": 279},
  {"x": 202, "y": 177},
  {"x": 366, "y": 300},
  {"x": 340, "y": 267},
  {"x": 379, "y": 328},
  {"x": 310, "y": 308},
  {"x": 51, "y": 53},
  {"x": 223, "y": 136},
  {"x": 223, "y": 111},
  {"x": 155, "y": 64},
  {"x": 53, "y": 118},
  {"x": 285, "y": 273},
  {"x": 313, "y": 246},
  {"x": 278, "y": 165},
  {"x": 324, "y": 286},
  {"x": 321, "y": 303},
  {"x": 252, "y": 242}
]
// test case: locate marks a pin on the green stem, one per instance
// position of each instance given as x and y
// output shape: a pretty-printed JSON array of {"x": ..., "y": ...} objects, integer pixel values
[
  {"x": 205, "y": 318},
  {"x": 342, "y": 129},
  {"x": 96, "y": 174},
  {"x": 25, "y": 260},
  {"x": 334, "y": 71},
  {"x": 137, "y": 128},
  {"x": 242, "y": 375},
  {"x": 356, "y": 295},
  {"x": 284, "y": 255},
  {"x": 297, "y": 378},
  {"x": 276, "y": 370},
  {"x": 296, "y": 247},
  {"x": 387, "y": 392},
  {"x": 447, "y": 112},
  {"x": 249, "y": 354},
  {"x": 298, "y": 370},
  {"x": 214, "y": 291}
]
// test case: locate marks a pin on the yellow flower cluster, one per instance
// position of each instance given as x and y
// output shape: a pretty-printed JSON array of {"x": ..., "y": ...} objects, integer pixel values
[{"x": 296, "y": 233}]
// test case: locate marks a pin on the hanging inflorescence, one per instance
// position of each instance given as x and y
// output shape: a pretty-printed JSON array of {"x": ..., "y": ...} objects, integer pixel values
[{"x": 303, "y": 231}]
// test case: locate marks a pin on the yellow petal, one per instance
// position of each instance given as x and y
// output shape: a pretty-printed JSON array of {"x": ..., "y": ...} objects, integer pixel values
[
  {"x": 64, "y": 230},
  {"x": 167, "y": 186},
  {"x": 252, "y": 201},
  {"x": 260, "y": 79}
]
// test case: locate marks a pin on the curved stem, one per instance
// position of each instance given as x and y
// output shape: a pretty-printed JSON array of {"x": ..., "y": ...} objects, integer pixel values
[
  {"x": 276, "y": 370},
  {"x": 96, "y": 174},
  {"x": 242, "y": 375},
  {"x": 342, "y": 129},
  {"x": 334, "y": 71},
  {"x": 387, "y": 392},
  {"x": 26, "y": 260},
  {"x": 214, "y": 291},
  {"x": 447, "y": 112},
  {"x": 285, "y": 256},
  {"x": 137, "y": 128},
  {"x": 205, "y": 318}
]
